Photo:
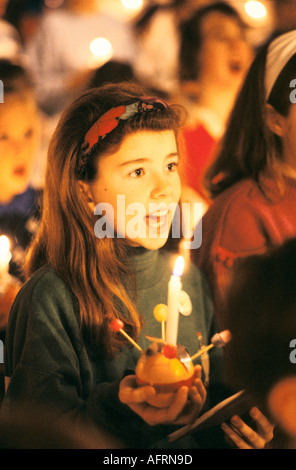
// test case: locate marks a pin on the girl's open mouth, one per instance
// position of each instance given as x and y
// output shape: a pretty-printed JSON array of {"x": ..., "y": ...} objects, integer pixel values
[
  {"x": 20, "y": 170},
  {"x": 157, "y": 220},
  {"x": 235, "y": 67}
]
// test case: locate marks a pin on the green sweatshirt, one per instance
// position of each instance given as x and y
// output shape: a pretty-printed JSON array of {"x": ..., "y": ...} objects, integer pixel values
[{"x": 49, "y": 363}]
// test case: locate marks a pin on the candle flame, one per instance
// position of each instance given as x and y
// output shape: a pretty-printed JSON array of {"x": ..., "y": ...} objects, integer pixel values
[
  {"x": 179, "y": 266},
  {"x": 4, "y": 245}
]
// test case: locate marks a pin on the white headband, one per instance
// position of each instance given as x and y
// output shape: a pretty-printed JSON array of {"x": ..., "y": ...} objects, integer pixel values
[{"x": 279, "y": 53}]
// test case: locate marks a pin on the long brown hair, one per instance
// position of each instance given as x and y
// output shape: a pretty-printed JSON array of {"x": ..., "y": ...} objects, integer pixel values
[
  {"x": 248, "y": 148},
  {"x": 92, "y": 267}
]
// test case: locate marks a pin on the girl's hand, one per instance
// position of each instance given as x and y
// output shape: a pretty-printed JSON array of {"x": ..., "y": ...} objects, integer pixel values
[
  {"x": 184, "y": 408},
  {"x": 245, "y": 437}
]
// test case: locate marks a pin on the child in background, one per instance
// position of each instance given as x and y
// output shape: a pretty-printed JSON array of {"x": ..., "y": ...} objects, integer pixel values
[
  {"x": 157, "y": 38},
  {"x": 19, "y": 138},
  {"x": 253, "y": 180},
  {"x": 263, "y": 346},
  {"x": 111, "y": 142},
  {"x": 214, "y": 58},
  {"x": 59, "y": 53},
  {"x": 19, "y": 142},
  {"x": 10, "y": 41}
]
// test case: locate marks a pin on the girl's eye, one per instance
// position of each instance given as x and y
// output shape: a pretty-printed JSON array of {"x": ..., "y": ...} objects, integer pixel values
[
  {"x": 172, "y": 166},
  {"x": 136, "y": 173},
  {"x": 3, "y": 137},
  {"x": 220, "y": 37},
  {"x": 29, "y": 133}
]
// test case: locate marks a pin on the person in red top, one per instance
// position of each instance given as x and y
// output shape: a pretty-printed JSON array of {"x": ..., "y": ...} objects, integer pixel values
[
  {"x": 214, "y": 58},
  {"x": 253, "y": 180}
]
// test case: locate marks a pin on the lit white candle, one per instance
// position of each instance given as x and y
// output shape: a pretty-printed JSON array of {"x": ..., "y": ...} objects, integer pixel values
[
  {"x": 174, "y": 291},
  {"x": 5, "y": 255}
]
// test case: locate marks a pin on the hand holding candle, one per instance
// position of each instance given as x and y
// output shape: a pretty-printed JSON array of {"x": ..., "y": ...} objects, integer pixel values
[{"x": 166, "y": 368}]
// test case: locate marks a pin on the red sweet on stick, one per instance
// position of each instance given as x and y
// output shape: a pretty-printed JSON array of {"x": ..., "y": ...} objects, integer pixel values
[
  {"x": 218, "y": 340},
  {"x": 117, "y": 325},
  {"x": 169, "y": 351}
]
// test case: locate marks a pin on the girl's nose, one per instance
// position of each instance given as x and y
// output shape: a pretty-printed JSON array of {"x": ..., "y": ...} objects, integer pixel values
[
  {"x": 161, "y": 188},
  {"x": 241, "y": 47},
  {"x": 18, "y": 145}
]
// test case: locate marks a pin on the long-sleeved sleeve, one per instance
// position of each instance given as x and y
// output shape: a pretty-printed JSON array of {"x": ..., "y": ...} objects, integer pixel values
[{"x": 49, "y": 366}]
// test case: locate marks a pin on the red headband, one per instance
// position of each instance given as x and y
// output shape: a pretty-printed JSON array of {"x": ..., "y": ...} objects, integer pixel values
[{"x": 110, "y": 120}]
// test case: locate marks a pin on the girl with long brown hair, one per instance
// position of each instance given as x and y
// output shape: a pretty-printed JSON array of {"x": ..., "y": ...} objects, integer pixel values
[
  {"x": 86, "y": 271},
  {"x": 252, "y": 182}
]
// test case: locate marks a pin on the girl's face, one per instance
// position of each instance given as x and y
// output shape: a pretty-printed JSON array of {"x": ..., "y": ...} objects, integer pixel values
[
  {"x": 144, "y": 174},
  {"x": 225, "y": 55},
  {"x": 287, "y": 132},
  {"x": 19, "y": 132}
]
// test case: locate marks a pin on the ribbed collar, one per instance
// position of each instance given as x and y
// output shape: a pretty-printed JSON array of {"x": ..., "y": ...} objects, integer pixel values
[{"x": 146, "y": 266}]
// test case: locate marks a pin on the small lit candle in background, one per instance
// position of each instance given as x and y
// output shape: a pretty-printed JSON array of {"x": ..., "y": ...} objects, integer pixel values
[
  {"x": 101, "y": 51},
  {"x": 5, "y": 255},
  {"x": 174, "y": 291},
  {"x": 255, "y": 9},
  {"x": 133, "y": 4}
]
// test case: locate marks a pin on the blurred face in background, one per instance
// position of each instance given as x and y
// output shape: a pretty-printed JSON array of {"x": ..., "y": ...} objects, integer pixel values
[
  {"x": 225, "y": 54},
  {"x": 88, "y": 6},
  {"x": 285, "y": 14},
  {"x": 287, "y": 133},
  {"x": 19, "y": 139},
  {"x": 3, "y": 4}
]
